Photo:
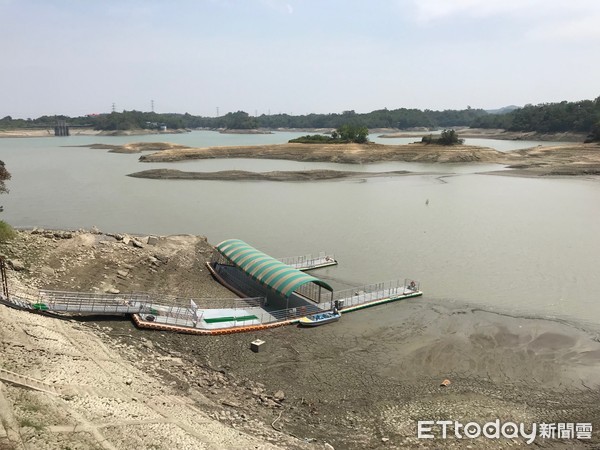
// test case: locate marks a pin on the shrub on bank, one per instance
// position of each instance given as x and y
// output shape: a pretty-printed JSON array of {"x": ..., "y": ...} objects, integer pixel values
[
  {"x": 594, "y": 135},
  {"x": 6, "y": 232},
  {"x": 345, "y": 134},
  {"x": 313, "y": 139},
  {"x": 448, "y": 137}
]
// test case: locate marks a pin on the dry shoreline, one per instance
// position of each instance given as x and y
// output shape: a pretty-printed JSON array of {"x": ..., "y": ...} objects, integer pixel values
[
  {"x": 242, "y": 175},
  {"x": 489, "y": 133},
  {"x": 336, "y": 153},
  {"x": 387, "y": 133},
  {"x": 570, "y": 159},
  {"x": 563, "y": 160},
  {"x": 75, "y": 131},
  {"x": 361, "y": 383}
]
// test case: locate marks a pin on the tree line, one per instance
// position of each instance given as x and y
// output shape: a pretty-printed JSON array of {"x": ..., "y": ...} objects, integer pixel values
[{"x": 582, "y": 116}]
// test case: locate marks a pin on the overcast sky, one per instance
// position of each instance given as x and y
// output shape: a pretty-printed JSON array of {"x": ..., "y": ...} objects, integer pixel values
[{"x": 78, "y": 57}]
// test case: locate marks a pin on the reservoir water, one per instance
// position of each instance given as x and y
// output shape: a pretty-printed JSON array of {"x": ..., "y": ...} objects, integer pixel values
[{"x": 527, "y": 246}]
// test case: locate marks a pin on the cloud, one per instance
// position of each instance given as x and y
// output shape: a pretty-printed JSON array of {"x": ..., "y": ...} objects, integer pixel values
[
  {"x": 583, "y": 29},
  {"x": 434, "y": 9},
  {"x": 279, "y": 6},
  {"x": 428, "y": 10},
  {"x": 542, "y": 20}
]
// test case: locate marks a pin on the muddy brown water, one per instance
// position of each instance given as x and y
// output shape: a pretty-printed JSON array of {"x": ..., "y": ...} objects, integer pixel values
[
  {"x": 505, "y": 243},
  {"x": 496, "y": 258}
]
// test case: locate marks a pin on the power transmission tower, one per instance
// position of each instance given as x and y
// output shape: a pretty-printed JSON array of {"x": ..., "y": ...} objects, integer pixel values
[
  {"x": 217, "y": 111},
  {"x": 113, "y": 107},
  {"x": 152, "y": 105}
]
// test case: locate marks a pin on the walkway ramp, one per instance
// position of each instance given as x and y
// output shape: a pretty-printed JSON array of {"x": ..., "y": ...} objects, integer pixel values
[
  {"x": 93, "y": 303},
  {"x": 309, "y": 262},
  {"x": 368, "y": 295},
  {"x": 205, "y": 316}
]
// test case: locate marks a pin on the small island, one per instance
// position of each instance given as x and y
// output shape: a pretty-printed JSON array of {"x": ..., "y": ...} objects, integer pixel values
[
  {"x": 345, "y": 134},
  {"x": 242, "y": 175}
]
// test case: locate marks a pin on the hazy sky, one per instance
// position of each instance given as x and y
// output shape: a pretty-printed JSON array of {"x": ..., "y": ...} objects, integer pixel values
[{"x": 77, "y": 57}]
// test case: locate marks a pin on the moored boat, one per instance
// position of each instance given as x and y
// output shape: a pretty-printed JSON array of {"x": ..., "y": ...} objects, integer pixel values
[{"x": 319, "y": 319}]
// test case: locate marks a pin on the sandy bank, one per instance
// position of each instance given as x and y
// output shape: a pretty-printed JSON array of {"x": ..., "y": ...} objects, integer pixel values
[
  {"x": 360, "y": 383},
  {"x": 337, "y": 153},
  {"x": 107, "y": 394},
  {"x": 242, "y": 175},
  {"x": 75, "y": 131},
  {"x": 495, "y": 133},
  {"x": 114, "y": 387},
  {"x": 135, "y": 147},
  {"x": 563, "y": 160},
  {"x": 26, "y": 132},
  {"x": 253, "y": 131}
]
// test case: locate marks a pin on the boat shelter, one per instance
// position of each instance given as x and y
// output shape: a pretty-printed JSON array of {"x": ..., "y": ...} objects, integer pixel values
[{"x": 250, "y": 272}]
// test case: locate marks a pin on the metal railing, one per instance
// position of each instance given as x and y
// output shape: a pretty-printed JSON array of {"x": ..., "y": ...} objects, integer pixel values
[
  {"x": 99, "y": 303},
  {"x": 376, "y": 291},
  {"x": 308, "y": 261},
  {"x": 186, "y": 312},
  {"x": 294, "y": 313},
  {"x": 125, "y": 303},
  {"x": 208, "y": 302}
]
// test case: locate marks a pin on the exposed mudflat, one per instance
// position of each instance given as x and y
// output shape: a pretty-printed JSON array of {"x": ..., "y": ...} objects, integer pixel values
[
  {"x": 242, "y": 175},
  {"x": 564, "y": 160},
  {"x": 495, "y": 133},
  {"x": 83, "y": 131},
  {"x": 337, "y": 153},
  {"x": 362, "y": 382},
  {"x": 136, "y": 147}
]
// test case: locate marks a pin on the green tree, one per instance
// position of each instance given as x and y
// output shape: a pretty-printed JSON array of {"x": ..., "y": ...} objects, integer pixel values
[
  {"x": 240, "y": 120},
  {"x": 594, "y": 135},
  {"x": 345, "y": 133},
  {"x": 6, "y": 231},
  {"x": 4, "y": 176},
  {"x": 353, "y": 133},
  {"x": 447, "y": 137}
]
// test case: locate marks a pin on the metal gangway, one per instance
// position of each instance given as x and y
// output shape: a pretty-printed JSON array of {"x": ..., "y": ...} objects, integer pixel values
[
  {"x": 371, "y": 294},
  {"x": 184, "y": 312},
  {"x": 93, "y": 303},
  {"x": 204, "y": 313},
  {"x": 309, "y": 262}
]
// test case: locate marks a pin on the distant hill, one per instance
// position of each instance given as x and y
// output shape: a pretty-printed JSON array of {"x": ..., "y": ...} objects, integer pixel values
[
  {"x": 579, "y": 117},
  {"x": 503, "y": 110}
]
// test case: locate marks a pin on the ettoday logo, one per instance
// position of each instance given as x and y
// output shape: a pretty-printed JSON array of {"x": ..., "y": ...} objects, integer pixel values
[{"x": 444, "y": 429}]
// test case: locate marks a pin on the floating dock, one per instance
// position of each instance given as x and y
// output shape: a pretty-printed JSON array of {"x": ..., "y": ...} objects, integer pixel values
[
  {"x": 309, "y": 262},
  {"x": 206, "y": 321},
  {"x": 282, "y": 294}
]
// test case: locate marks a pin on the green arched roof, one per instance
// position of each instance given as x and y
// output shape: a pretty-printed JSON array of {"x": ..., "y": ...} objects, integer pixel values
[{"x": 266, "y": 270}]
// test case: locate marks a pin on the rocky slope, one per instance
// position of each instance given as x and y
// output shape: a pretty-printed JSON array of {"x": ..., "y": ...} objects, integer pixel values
[{"x": 105, "y": 384}]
